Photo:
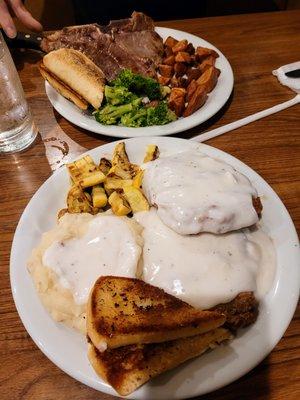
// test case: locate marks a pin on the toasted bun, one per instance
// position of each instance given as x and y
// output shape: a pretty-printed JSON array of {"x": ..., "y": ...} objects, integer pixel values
[
  {"x": 78, "y": 73},
  {"x": 123, "y": 311},
  {"x": 62, "y": 88},
  {"x": 127, "y": 368}
]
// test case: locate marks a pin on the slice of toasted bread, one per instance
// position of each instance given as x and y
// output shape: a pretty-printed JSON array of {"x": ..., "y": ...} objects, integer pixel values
[
  {"x": 78, "y": 72},
  {"x": 123, "y": 311},
  {"x": 127, "y": 368}
]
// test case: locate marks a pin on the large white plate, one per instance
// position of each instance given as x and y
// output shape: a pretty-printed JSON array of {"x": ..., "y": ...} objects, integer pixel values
[
  {"x": 216, "y": 100},
  {"x": 67, "y": 349}
]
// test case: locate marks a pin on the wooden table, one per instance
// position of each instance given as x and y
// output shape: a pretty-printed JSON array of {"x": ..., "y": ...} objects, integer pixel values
[{"x": 255, "y": 45}]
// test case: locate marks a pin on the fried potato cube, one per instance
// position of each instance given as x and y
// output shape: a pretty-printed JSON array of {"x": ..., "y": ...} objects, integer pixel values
[
  {"x": 99, "y": 197},
  {"x": 152, "y": 153},
  {"x": 170, "y": 42},
  {"x": 168, "y": 51},
  {"x": 117, "y": 172},
  {"x": 209, "y": 78},
  {"x": 191, "y": 90},
  {"x": 206, "y": 63},
  {"x": 121, "y": 160},
  {"x": 136, "y": 199},
  {"x": 169, "y": 60},
  {"x": 180, "y": 68},
  {"x": 112, "y": 184},
  {"x": 163, "y": 80},
  {"x": 197, "y": 100},
  {"x": 78, "y": 201},
  {"x": 193, "y": 73},
  {"x": 104, "y": 165},
  {"x": 177, "y": 100},
  {"x": 180, "y": 46},
  {"x": 166, "y": 70},
  {"x": 85, "y": 172},
  {"x": 183, "y": 57},
  {"x": 119, "y": 204},
  {"x": 202, "y": 52}
]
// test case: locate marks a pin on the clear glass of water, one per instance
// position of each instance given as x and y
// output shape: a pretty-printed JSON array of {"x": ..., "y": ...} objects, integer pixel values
[{"x": 17, "y": 129}]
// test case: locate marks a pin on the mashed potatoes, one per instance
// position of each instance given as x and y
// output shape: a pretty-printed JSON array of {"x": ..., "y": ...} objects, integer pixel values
[{"x": 75, "y": 253}]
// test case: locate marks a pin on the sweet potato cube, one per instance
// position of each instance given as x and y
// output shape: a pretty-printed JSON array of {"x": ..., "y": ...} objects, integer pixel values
[
  {"x": 191, "y": 89},
  {"x": 203, "y": 52},
  {"x": 163, "y": 80},
  {"x": 209, "y": 78},
  {"x": 190, "y": 49},
  {"x": 193, "y": 73},
  {"x": 180, "y": 68},
  {"x": 170, "y": 42},
  {"x": 183, "y": 56},
  {"x": 197, "y": 100},
  {"x": 177, "y": 100},
  {"x": 168, "y": 51},
  {"x": 169, "y": 60},
  {"x": 166, "y": 70},
  {"x": 180, "y": 46}
]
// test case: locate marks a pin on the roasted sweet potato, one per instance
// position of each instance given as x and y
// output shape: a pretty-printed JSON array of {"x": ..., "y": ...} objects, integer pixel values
[
  {"x": 202, "y": 52},
  {"x": 163, "y": 80},
  {"x": 180, "y": 46},
  {"x": 210, "y": 60},
  {"x": 190, "y": 49},
  {"x": 170, "y": 42},
  {"x": 193, "y": 73},
  {"x": 177, "y": 100},
  {"x": 209, "y": 78},
  {"x": 191, "y": 89},
  {"x": 168, "y": 51},
  {"x": 183, "y": 56},
  {"x": 197, "y": 100},
  {"x": 166, "y": 70},
  {"x": 169, "y": 60},
  {"x": 180, "y": 69},
  {"x": 175, "y": 82}
]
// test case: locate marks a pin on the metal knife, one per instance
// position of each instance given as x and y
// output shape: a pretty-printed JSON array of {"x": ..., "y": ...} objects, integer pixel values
[{"x": 293, "y": 74}]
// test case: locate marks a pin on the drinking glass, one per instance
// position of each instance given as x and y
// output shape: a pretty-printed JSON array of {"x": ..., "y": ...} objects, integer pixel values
[{"x": 17, "y": 129}]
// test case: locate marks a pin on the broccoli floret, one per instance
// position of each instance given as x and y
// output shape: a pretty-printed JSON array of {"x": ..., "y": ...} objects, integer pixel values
[
  {"x": 118, "y": 95},
  {"x": 138, "y": 84},
  {"x": 135, "y": 119},
  {"x": 111, "y": 115},
  {"x": 160, "y": 115}
]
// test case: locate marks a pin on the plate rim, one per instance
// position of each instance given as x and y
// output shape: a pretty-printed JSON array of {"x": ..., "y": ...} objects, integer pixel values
[
  {"x": 106, "y": 388},
  {"x": 163, "y": 130}
]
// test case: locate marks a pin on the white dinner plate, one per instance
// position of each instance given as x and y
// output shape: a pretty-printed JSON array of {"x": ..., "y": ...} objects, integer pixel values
[
  {"x": 68, "y": 349},
  {"x": 215, "y": 102}
]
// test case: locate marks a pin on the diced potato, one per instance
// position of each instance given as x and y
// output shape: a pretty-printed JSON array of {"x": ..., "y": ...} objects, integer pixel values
[
  {"x": 104, "y": 165},
  {"x": 166, "y": 70},
  {"x": 180, "y": 46},
  {"x": 138, "y": 179},
  {"x": 120, "y": 159},
  {"x": 112, "y": 184},
  {"x": 136, "y": 199},
  {"x": 117, "y": 172},
  {"x": 152, "y": 153},
  {"x": 78, "y": 202},
  {"x": 84, "y": 172},
  {"x": 118, "y": 204},
  {"x": 99, "y": 197},
  {"x": 170, "y": 41}
]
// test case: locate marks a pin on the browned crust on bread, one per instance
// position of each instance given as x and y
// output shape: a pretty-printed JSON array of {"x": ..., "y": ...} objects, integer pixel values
[
  {"x": 127, "y": 368},
  {"x": 124, "y": 311},
  {"x": 62, "y": 88},
  {"x": 240, "y": 312}
]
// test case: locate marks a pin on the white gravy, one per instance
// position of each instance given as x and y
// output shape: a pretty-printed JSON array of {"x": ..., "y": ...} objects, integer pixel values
[
  {"x": 108, "y": 246},
  {"x": 206, "y": 269},
  {"x": 196, "y": 193}
]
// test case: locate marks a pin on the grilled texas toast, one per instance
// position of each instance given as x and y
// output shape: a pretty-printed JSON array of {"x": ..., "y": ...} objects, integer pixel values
[
  {"x": 127, "y": 368},
  {"x": 124, "y": 311}
]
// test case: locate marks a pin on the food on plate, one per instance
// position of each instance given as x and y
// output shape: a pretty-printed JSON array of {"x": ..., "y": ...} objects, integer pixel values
[
  {"x": 136, "y": 331},
  {"x": 156, "y": 263},
  {"x": 61, "y": 273},
  {"x": 217, "y": 268},
  {"x": 124, "y": 311},
  {"x": 133, "y": 100},
  {"x": 74, "y": 76},
  {"x": 125, "y": 44},
  {"x": 196, "y": 193},
  {"x": 148, "y": 82},
  {"x": 127, "y": 368}
]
